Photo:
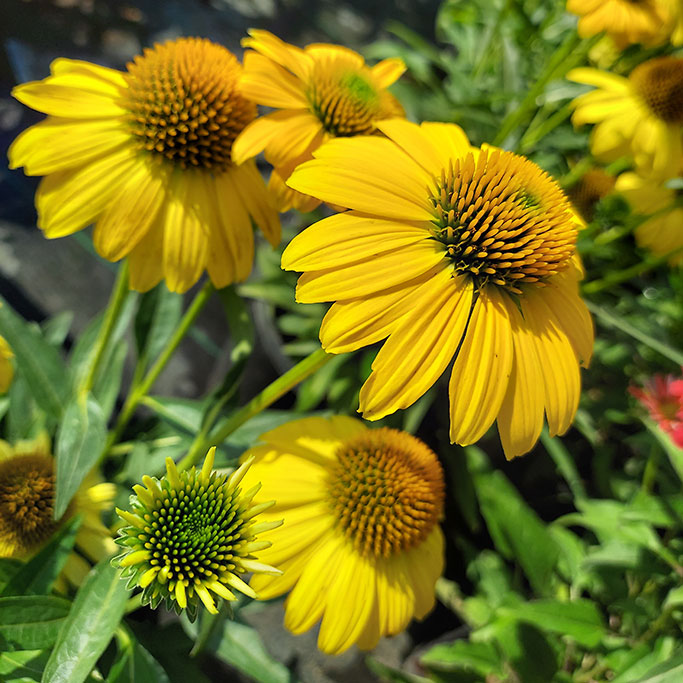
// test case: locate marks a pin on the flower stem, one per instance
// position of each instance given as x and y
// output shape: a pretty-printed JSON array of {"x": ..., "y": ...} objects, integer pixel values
[
  {"x": 111, "y": 316},
  {"x": 139, "y": 391},
  {"x": 269, "y": 395},
  {"x": 615, "y": 278}
]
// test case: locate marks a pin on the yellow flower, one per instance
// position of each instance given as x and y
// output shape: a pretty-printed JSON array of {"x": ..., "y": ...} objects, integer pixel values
[
  {"x": 322, "y": 92},
  {"x": 360, "y": 547},
  {"x": 625, "y": 21},
  {"x": 6, "y": 367},
  {"x": 639, "y": 116},
  {"x": 662, "y": 233},
  {"x": 593, "y": 185},
  {"x": 27, "y": 495},
  {"x": 145, "y": 155},
  {"x": 448, "y": 251},
  {"x": 191, "y": 536},
  {"x": 676, "y": 25}
]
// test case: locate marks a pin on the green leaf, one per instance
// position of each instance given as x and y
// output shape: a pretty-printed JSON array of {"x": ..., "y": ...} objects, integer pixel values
[
  {"x": 56, "y": 329},
  {"x": 31, "y": 622},
  {"x": 516, "y": 529},
  {"x": 134, "y": 663},
  {"x": 80, "y": 440},
  {"x": 312, "y": 391},
  {"x": 96, "y": 612},
  {"x": 670, "y": 671},
  {"x": 673, "y": 452},
  {"x": 661, "y": 652},
  {"x": 156, "y": 319},
  {"x": 24, "y": 418},
  {"x": 241, "y": 646},
  {"x": 529, "y": 652},
  {"x": 183, "y": 413},
  {"x": 38, "y": 362},
  {"x": 8, "y": 569},
  {"x": 40, "y": 572},
  {"x": 22, "y": 664},
  {"x": 461, "y": 654},
  {"x": 108, "y": 382},
  {"x": 579, "y": 619}
]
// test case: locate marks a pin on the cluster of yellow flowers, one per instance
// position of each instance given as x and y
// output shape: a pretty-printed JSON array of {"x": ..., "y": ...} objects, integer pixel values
[
  {"x": 639, "y": 116},
  {"x": 449, "y": 254}
]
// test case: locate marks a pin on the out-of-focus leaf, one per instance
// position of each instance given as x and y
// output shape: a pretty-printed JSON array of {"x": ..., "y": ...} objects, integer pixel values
[
  {"x": 38, "y": 362},
  {"x": 22, "y": 665},
  {"x": 134, "y": 664},
  {"x": 659, "y": 652},
  {"x": 56, "y": 329},
  {"x": 528, "y": 651},
  {"x": 392, "y": 675},
  {"x": 183, "y": 413},
  {"x": 8, "y": 569},
  {"x": 80, "y": 440},
  {"x": 670, "y": 671},
  {"x": 31, "y": 622},
  {"x": 517, "y": 532},
  {"x": 157, "y": 317},
  {"x": 94, "y": 616},
  {"x": 25, "y": 419},
  {"x": 673, "y": 452},
  {"x": 314, "y": 389},
  {"x": 461, "y": 654},
  {"x": 108, "y": 383},
  {"x": 579, "y": 619},
  {"x": 40, "y": 572}
]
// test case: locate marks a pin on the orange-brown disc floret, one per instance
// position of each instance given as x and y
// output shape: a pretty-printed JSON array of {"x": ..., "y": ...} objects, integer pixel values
[
  {"x": 503, "y": 220},
  {"x": 659, "y": 82},
  {"x": 185, "y": 104},
  {"x": 387, "y": 491}
]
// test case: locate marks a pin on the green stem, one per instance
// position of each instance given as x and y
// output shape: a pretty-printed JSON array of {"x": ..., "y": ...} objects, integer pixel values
[
  {"x": 611, "y": 320},
  {"x": 532, "y": 136},
  {"x": 111, "y": 316},
  {"x": 615, "y": 278},
  {"x": 564, "y": 463},
  {"x": 140, "y": 391},
  {"x": 650, "y": 471},
  {"x": 269, "y": 395},
  {"x": 557, "y": 67}
]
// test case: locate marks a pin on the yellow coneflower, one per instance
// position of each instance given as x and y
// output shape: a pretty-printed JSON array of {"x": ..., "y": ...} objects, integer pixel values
[
  {"x": 27, "y": 497},
  {"x": 6, "y": 367},
  {"x": 191, "y": 534},
  {"x": 625, "y": 21},
  {"x": 448, "y": 251},
  {"x": 662, "y": 233},
  {"x": 675, "y": 28},
  {"x": 322, "y": 92},
  {"x": 639, "y": 116},
  {"x": 593, "y": 185},
  {"x": 145, "y": 156},
  {"x": 360, "y": 547}
]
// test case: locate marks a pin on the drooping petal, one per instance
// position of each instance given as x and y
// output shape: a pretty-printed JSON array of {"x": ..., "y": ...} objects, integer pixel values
[
  {"x": 420, "y": 348},
  {"x": 388, "y": 71},
  {"x": 370, "y": 276},
  {"x": 482, "y": 368},
  {"x": 348, "y": 238}
]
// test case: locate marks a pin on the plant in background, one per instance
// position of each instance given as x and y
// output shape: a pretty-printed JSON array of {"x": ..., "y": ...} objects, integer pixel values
[
  {"x": 145, "y": 155},
  {"x": 361, "y": 548},
  {"x": 662, "y": 396},
  {"x": 6, "y": 367}
]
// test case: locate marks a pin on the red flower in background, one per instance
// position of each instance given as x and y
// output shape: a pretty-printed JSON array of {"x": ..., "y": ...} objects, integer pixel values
[{"x": 663, "y": 397}]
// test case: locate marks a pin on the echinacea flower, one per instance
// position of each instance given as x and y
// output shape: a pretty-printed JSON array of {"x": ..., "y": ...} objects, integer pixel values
[
  {"x": 640, "y": 116},
  {"x": 662, "y": 232},
  {"x": 145, "y": 155},
  {"x": 6, "y": 367},
  {"x": 27, "y": 498},
  {"x": 322, "y": 91},
  {"x": 625, "y": 21},
  {"x": 662, "y": 396},
  {"x": 191, "y": 534},
  {"x": 450, "y": 252},
  {"x": 594, "y": 185},
  {"x": 360, "y": 548}
]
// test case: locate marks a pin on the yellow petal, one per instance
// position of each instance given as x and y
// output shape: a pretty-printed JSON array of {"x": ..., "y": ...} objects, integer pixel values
[
  {"x": 269, "y": 84},
  {"x": 252, "y": 191},
  {"x": 285, "y": 135},
  {"x": 347, "y": 238},
  {"x": 559, "y": 364},
  {"x": 285, "y": 198},
  {"x": 289, "y": 56},
  {"x": 372, "y": 275},
  {"x": 128, "y": 219},
  {"x": 388, "y": 71},
  {"x": 206, "y": 598},
  {"x": 369, "y": 174},
  {"x": 69, "y": 200},
  {"x": 185, "y": 248},
  {"x": 424, "y": 565},
  {"x": 599, "y": 79},
  {"x": 146, "y": 259},
  {"x": 59, "y": 144},
  {"x": 520, "y": 418},
  {"x": 482, "y": 368},
  {"x": 420, "y": 348},
  {"x": 62, "y": 65}
]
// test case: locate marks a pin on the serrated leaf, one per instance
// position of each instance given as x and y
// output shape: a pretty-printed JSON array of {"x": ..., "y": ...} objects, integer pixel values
[
  {"x": 31, "y": 622},
  {"x": 38, "y": 362},
  {"x": 96, "y": 612},
  {"x": 40, "y": 572},
  {"x": 80, "y": 440}
]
